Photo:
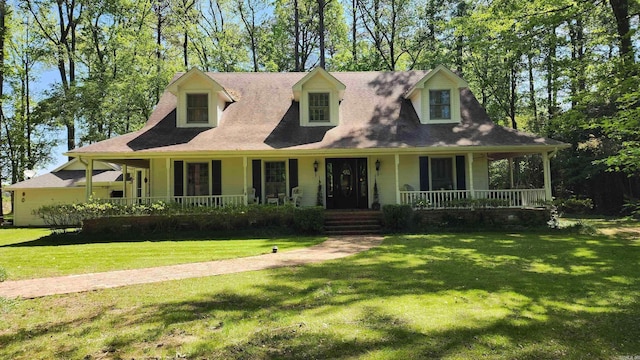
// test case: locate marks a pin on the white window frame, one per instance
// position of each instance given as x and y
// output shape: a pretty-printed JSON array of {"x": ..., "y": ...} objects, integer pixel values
[
  {"x": 185, "y": 176},
  {"x": 447, "y": 119},
  {"x": 264, "y": 176},
  {"x": 212, "y": 103},
  {"x": 454, "y": 175},
  {"x": 328, "y": 106}
]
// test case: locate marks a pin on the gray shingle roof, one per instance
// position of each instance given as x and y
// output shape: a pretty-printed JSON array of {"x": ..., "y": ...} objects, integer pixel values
[
  {"x": 373, "y": 114},
  {"x": 66, "y": 179}
]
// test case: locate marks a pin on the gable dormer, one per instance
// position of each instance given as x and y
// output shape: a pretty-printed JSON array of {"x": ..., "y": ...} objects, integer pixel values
[
  {"x": 436, "y": 97},
  {"x": 319, "y": 94},
  {"x": 201, "y": 99}
]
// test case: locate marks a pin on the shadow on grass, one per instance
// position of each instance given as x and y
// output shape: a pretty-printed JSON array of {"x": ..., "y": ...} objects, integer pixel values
[
  {"x": 78, "y": 238},
  {"x": 530, "y": 296}
]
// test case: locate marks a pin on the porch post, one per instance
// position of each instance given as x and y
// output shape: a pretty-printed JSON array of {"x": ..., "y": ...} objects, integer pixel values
[
  {"x": 397, "y": 164},
  {"x": 470, "y": 177},
  {"x": 244, "y": 178},
  {"x": 124, "y": 181},
  {"x": 89, "y": 179},
  {"x": 547, "y": 176},
  {"x": 168, "y": 166}
]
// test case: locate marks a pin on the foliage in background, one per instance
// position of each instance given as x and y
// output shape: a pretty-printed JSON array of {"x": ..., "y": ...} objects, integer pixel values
[{"x": 562, "y": 69}]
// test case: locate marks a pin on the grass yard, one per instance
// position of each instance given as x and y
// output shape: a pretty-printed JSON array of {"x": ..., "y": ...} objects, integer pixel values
[
  {"x": 30, "y": 253},
  {"x": 452, "y": 296}
]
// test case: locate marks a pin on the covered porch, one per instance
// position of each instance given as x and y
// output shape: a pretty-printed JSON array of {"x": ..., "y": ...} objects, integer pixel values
[{"x": 423, "y": 180}]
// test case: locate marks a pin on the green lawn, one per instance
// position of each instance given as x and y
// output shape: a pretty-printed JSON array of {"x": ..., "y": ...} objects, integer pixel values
[
  {"x": 453, "y": 296},
  {"x": 30, "y": 253}
]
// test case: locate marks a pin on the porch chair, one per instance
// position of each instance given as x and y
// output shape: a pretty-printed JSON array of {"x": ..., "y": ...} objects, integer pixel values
[
  {"x": 251, "y": 197},
  {"x": 296, "y": 196},
  {"x": 407, "y": 187}
]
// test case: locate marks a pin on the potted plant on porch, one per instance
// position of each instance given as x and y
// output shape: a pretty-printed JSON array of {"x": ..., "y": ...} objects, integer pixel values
[{"x": 376, "y": 197}]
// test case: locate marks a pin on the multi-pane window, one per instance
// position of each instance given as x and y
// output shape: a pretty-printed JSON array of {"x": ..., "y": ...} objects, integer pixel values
[
  {"x": 441, "y": 174},
  {"x": 198, "y": 179},
  {"x": 439, "y": 104},
  {"x": 197, "y": 108},
  {"x": 319, "y": 107},
  {"x": 275, "y": 174}
]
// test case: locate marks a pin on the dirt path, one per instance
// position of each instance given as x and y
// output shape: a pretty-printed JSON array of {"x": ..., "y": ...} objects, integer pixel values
[{"x": 333, "y": 248}]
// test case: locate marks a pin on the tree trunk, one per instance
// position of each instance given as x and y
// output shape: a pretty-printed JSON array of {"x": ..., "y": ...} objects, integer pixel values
[
  {"x": 296, "y": 24},
  {"x": 621, "y": 12},
  {"x": 354, "y": 33},
  {"x": 321, "y": 4},
  {"x": 3, "y": 12},
  {"x": 532, "y": 92}
]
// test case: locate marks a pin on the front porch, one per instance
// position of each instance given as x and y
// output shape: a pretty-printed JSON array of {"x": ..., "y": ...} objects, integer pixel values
[
  {"x": 455, "y": 199},
  {"x": 439, "y": 199},
  {"x": 369, "y": 181}
]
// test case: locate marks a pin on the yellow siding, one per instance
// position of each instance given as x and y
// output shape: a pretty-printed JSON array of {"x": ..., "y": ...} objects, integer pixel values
[
  {"x": 308, "y": 180},
  {"x": 158, "y": 178},
  {"x": 232, "y": 176},
  {"x": 480, "y": 173},
  {"x": 28, "y": 200}
]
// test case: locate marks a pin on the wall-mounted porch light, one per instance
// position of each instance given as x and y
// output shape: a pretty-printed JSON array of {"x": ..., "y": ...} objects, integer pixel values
[
  {"x": 378, "y": 165},
  {"x": 315, "y": 166}
]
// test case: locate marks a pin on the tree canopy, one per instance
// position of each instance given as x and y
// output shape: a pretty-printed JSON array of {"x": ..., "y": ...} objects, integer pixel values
[{"x": 559, "y": 68}]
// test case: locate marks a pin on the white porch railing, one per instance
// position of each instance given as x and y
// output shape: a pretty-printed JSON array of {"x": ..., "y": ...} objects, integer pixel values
[
  {"x": 447, "y": 199},
  {"x": 185, "y": 201}
]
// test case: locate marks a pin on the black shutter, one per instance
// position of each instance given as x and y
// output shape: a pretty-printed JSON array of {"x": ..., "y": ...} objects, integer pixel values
[
  {"x": 424, "y": 173},
  {"x": 216, "y": 177},
  {"x": 256, "y": 169},
  {"x": 293, "y": 174},
  {"x": 460, "y": 173},
  {"x": 178, "y": 178}
]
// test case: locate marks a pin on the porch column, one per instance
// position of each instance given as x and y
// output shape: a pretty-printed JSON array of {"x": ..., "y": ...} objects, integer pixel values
[
  {"x": 168, "y": 187},
  {"x": 547, "y": 176},
  {"x": 124, "y": 181},
  {"x": 470, "y": 176},
  {"x": 244, "y": 178},
  {"x": 89, "y": 179},
  {"x": 397, "y": 164}
]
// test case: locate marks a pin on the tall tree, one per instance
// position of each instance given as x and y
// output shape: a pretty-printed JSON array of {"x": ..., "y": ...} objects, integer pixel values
[{"x": 58, "y": 22}]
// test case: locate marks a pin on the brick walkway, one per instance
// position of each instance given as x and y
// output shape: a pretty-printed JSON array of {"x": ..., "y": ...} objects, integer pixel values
[{"x": 333, "y": 248}]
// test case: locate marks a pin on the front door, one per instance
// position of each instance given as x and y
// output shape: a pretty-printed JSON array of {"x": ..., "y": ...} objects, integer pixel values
[{"x": 347, "y": 185}]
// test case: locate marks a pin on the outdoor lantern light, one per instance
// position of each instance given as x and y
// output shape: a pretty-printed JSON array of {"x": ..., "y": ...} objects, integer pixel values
[
  {"x": 315, "y": 166},
  {"x": 378, "y": 165}
]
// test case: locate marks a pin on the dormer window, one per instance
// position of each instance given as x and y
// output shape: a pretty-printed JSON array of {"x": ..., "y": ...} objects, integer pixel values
[
  {"x": 201, "y": 100},
  {"x": 197, "y": 108},
  {"x": 319, "y": 95},
  {"x": 436, "y": 97},
  {"x": 319, "y": 107},
  {"x": 439, "y": 104}
]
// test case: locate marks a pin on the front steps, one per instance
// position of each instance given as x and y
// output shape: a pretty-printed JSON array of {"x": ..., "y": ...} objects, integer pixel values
[{"x": 352, "y": 222}]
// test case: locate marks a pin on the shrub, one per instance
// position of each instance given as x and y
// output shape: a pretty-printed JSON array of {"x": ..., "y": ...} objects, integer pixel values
[
  {"x": 574, "y": 205},
  {"x": 171, "y": 219},
  {"x": 632, "y": 207},
  {"x": 397, "y": 217},
  {"x": 309, "y": 220},
  {"x": 3, "y": 274}
]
